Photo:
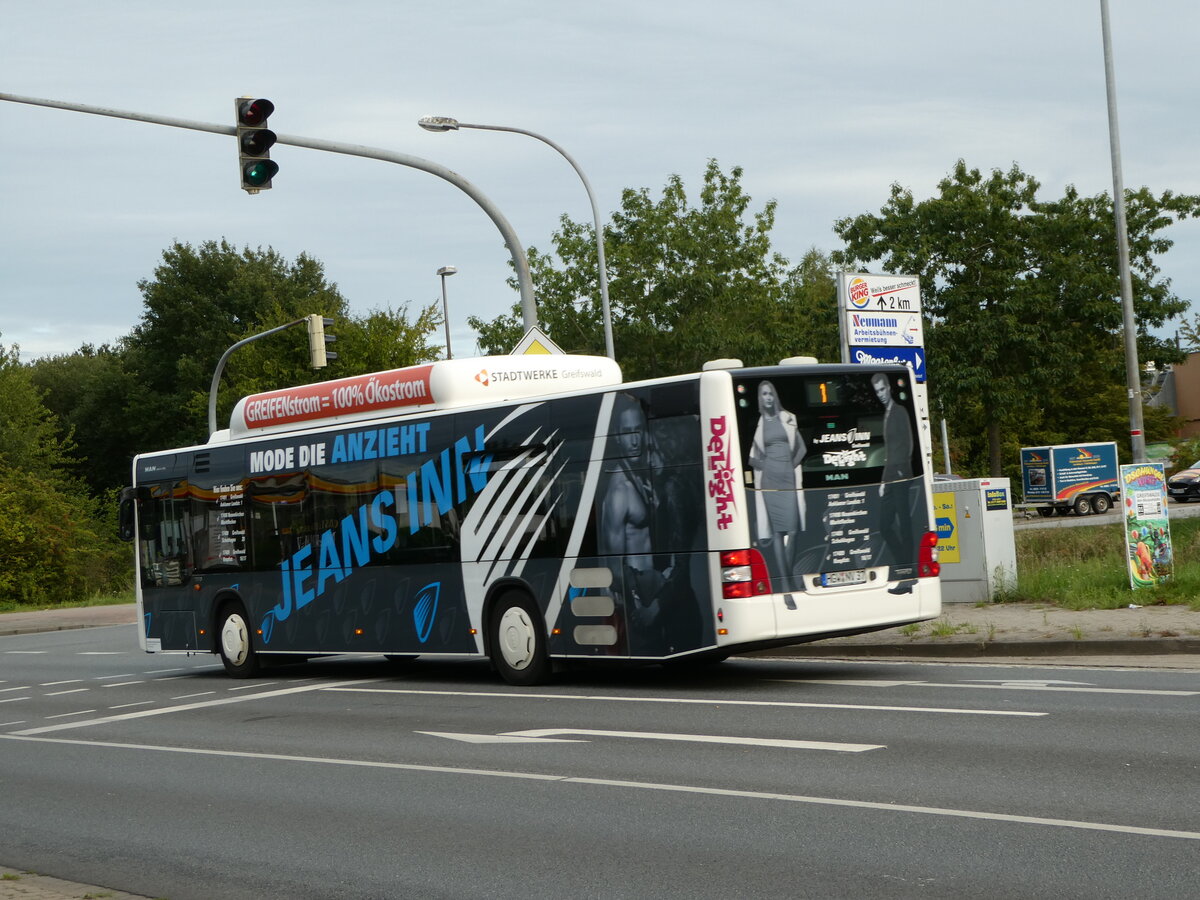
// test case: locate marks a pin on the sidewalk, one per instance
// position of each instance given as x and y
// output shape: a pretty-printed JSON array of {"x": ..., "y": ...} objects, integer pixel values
[
  {"x": 1150, "y": 636},
  {"x": 65, "y": 619},
  {"x": 18, "y": 885},
  {"x": 963, "y": 630}
]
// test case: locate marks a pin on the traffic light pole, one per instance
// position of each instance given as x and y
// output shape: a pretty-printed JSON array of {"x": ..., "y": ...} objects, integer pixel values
[
  {"x": 216, "y": 379},
  {"x": 520, "y": 261}
]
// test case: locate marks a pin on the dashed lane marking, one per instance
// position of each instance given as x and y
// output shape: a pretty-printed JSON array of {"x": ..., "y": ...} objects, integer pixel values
[{"x": 186, "y": 707}]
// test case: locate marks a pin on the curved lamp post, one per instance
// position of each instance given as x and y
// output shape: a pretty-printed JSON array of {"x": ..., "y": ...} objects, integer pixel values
[{"x": 446, "y": 123}]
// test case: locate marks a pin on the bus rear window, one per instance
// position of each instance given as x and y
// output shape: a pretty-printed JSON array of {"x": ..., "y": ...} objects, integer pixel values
[{"x": 840, "y": 429}]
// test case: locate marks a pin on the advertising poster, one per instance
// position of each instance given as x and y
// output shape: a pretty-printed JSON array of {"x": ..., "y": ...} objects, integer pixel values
[
  {"x": 1147, "y": 529},
  {"x": 945, "y": 516}
]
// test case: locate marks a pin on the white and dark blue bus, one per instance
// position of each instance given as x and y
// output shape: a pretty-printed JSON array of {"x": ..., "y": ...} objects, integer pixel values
[{"x": 529, "y": 509}]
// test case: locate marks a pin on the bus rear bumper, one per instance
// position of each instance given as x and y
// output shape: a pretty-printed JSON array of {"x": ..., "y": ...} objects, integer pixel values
[{"x": 802, "y": 616}]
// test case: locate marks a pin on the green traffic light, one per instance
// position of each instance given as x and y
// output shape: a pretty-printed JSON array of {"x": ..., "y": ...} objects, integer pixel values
[{"x": 256, "y": 174}]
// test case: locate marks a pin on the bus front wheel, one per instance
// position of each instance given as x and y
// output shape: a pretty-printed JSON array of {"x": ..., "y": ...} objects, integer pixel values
[
  {"x": 517, "y": 641},
  {"x": 234, "y": 643}
]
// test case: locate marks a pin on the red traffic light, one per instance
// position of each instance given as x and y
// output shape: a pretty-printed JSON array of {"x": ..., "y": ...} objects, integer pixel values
[{"x": 254, "y": 112}]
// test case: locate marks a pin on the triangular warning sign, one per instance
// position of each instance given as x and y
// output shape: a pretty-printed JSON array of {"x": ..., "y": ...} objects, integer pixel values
[{"x": 536, "y": 341}]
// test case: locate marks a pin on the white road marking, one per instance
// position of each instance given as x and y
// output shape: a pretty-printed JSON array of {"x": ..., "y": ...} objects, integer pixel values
[
  {"x": 122, "y": 684},
  {"x": 247, "y": 687},
  {"x": 13, "y": 699},
  {"x": 57, "y": 683},
  {"x": 726, "y": 793},
  {"x": 540, "y": 735},
  {"x": 779, "y": 704},
  {"x": 72, "y": 691},
  {"x": 497, "y": 738},
  {"x": 185, "y": 707},
  {"x": 127, "y": 705},
  {"x": 27, "y": 652},
  {"x": 1026, "y": 685},
  {"x": 101, "y": 653},
  {"x": 6, "y": 724},
  {"x": 197, "y": 694},
  {"x": 78, "y": 712},
  {"x": 7, "y": 690},
  {"x": 122, "y": 675}
]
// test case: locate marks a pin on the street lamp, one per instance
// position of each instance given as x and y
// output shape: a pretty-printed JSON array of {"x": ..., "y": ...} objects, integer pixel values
[
  {"x": 444, "y": 272},
  {"x": 446, "y": 123}
]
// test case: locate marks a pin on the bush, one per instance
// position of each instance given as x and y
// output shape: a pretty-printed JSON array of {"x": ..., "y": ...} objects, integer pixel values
[{"x": 55, "y": 547}]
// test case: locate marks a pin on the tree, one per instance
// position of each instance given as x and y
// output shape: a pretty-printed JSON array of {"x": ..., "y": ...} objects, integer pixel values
[
  {"x": 53, "y": 546},
  {"x": 151, "y": 391},
  {"x": 200, "y": 302},
  {"x": 87, "y": 393},
  {"x": 30, "y": 439},
  {"x": 1021, "y": 296},
  {"x": 686, "y": 283}
]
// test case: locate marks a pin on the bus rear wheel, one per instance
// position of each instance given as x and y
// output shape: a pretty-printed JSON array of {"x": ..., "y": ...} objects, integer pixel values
[
  {"x": 234, "y": 643},
  {"x": 517, "y": 641}
]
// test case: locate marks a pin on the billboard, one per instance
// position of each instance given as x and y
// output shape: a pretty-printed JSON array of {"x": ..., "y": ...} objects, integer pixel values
[{"x": 881, "y": 320}]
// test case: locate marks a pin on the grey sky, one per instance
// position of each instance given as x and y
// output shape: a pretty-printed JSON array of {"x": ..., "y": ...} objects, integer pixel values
[{"x": 823, "y": 104}]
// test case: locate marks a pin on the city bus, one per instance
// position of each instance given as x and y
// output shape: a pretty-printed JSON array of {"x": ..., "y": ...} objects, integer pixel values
[{"x": 533, "y": 510}]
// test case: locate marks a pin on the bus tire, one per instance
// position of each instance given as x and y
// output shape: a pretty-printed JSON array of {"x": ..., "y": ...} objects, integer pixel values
[
  {"x": 234, "y": 642},
  {"x": 517, "y": 640}
]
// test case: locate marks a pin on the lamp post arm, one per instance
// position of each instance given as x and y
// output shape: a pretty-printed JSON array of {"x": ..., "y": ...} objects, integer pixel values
[
  {"x": 520, "y": 261},
  {"x": 587, "y": 186}
]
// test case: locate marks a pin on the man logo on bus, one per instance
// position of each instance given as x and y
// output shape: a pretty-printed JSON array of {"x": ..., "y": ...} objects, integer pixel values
[{"x": 860, "y": 293}]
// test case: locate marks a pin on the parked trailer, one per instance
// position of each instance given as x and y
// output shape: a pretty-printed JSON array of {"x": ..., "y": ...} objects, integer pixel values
[{"x": 1079, "y": 478}]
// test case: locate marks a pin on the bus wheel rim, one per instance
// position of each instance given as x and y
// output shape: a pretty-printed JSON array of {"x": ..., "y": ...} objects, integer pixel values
[
  {"x": 235, "y": 640},
  {"x": 518, "y": 640}
]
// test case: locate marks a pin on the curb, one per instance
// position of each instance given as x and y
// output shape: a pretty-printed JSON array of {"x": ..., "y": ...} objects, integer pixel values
[{"x": 977, "y": 649}]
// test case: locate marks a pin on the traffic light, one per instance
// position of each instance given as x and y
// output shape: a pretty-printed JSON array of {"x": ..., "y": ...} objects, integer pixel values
[
  {"x": 318, "y": 340},
  {"x": 254, "y": 144}
]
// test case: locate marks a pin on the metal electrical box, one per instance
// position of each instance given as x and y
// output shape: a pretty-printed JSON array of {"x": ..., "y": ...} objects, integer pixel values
[{"x": 976, "y": 545}]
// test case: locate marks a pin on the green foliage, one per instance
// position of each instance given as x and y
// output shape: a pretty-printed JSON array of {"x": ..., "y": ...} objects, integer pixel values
[
  {"x": 1022, "y": 303},
  {"x": 200, "y": 302},
  {"x": 78, "y": 419},
  {"x": 1087, "y": 568},
  {"x": 56, "y": 544},
  {"x": 687, "y": 283},
  {"x": 88, "y": 391},
  {"x": 151, "y": 391},
  {"x": 1185, "y": 453},
  {"x": 52, "y": 549},
  {"x": 29, "y": 436}
]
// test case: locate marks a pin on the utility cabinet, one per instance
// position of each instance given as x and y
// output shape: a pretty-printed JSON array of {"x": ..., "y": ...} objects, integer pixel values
[{"x": 977, "y": 548}]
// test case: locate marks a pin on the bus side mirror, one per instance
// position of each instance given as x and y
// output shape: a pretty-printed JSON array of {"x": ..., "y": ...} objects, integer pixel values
[{"x": 125, "y": 515}]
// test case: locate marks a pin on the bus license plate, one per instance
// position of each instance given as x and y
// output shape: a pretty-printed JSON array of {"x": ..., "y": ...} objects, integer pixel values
[{"x": 833, "y": 579}]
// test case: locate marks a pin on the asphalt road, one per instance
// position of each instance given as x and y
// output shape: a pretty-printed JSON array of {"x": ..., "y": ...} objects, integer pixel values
[{"x": 768, "y": 778}]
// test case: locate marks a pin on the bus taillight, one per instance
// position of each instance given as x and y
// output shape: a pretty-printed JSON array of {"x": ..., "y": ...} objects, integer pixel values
[
  {"x": 743, "y": 574},
  {"x": 927, "y": 561}
]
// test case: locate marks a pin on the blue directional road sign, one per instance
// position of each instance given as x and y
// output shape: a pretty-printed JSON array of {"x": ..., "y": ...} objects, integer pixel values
[{"x": 899, "y": 356}]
